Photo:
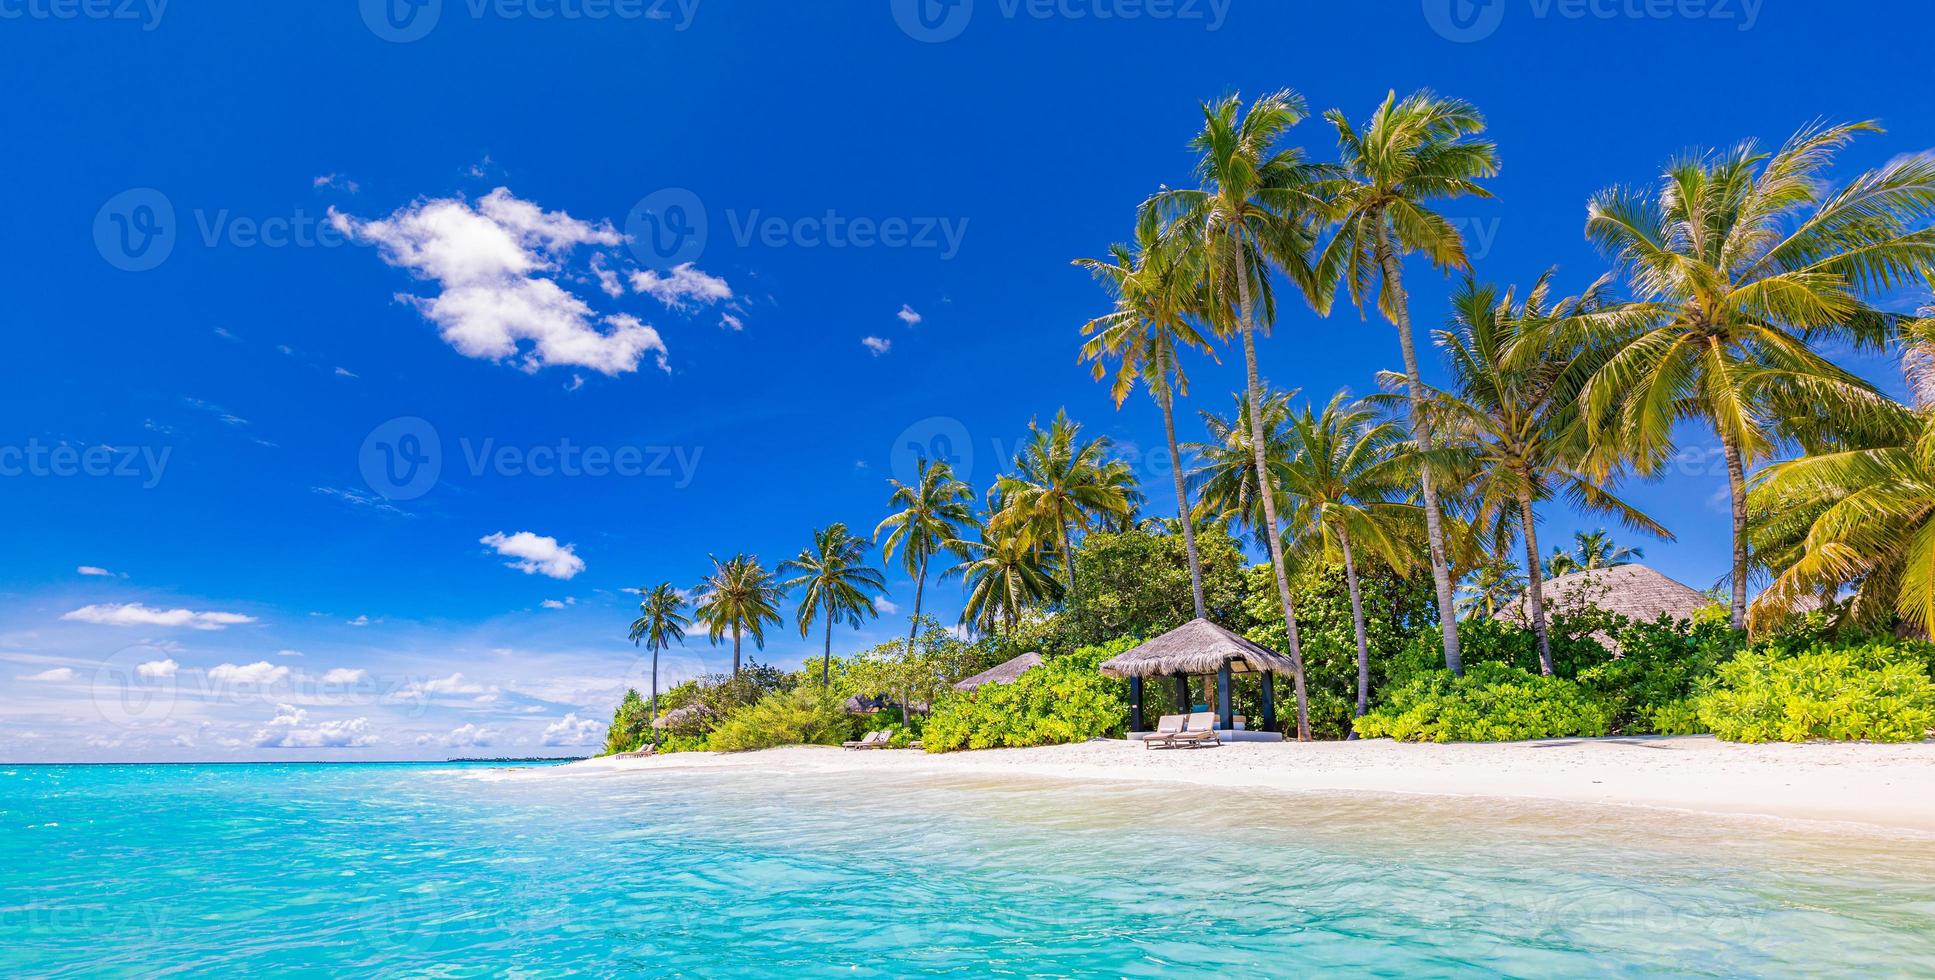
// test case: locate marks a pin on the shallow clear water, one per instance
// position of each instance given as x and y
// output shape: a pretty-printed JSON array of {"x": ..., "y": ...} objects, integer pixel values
[{"x": 454, "y": 870}]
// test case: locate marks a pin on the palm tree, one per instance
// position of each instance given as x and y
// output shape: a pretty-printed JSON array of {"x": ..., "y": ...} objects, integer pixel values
[
  {"x": 1225, "y": 474},
  {"x": 661, "y": 622},
  {"x": 838, "y": 584},
  {"x": 1004, "y": 578},
  {"x": 1737, "y": 261},
  {"x": 1253, "y": 211},
  {"x": 1511, "y": 411},
  {"x": 933, "y": 512},
  {"x": 741, "y": 598},
  {"x": 1345, "y": 479},
  {"x": 1061, "y": 485},
  {"x": 1408, "y": 155},
  {"x": 1155, "y": 286},
  {"x": 1493, "y": 584}
]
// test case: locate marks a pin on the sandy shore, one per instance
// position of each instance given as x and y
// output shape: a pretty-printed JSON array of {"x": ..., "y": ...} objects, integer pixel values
[{"x": 1879, "y": 786}]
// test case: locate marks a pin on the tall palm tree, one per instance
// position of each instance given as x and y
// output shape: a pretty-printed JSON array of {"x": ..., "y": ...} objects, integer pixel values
[
  {"x": 740, "y": 597},
  {"x": 1493, "y": 584},
  {"x": 1061, "y": 485},
  {"x": 1512, "y": 411},
  {"x": 1004, "y": 578},
  {"x": 1346, "y": 478},
  {"x": 1737, "y": 260},
  {"x": 934, "y": 511},
  {"x": 1225, "y": 474},
  {"x": 1254, "y": 210},
  {"x": 1410, "y": 154},
  {"x": 1156, "y": 286},
  {"x": 661, "y": 622},
  {"x": 838, "y": 584}
]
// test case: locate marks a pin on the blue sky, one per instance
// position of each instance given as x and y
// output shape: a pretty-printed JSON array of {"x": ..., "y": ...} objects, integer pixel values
[{"x": 661, "y": 280}]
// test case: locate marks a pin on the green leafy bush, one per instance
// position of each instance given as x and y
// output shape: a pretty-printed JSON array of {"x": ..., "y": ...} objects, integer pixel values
[
  {"x": 1492, "y": 703},
  {"x": 1066, "y": 699},
  {"x": 1659, "y": 666},
  {"x": 805, "y": 715},
  {"x": 1877, "y": 691}
]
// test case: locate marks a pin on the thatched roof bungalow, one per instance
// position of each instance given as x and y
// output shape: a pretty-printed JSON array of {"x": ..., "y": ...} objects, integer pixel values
[
  {"x": 1634, "y": 591},
  {"x": 1006, "y": 673},
  {"x": 1199, "y": 648},
  {"x": 691, "y": 716}
]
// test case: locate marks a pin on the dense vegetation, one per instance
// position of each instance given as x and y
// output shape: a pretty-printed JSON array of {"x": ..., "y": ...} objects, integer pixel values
[{"x": 1393, "y": 530}]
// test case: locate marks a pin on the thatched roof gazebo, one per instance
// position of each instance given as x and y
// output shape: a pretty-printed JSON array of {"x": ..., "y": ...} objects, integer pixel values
[
  {"x": 690, "y": 716},
  {"x": 1199, "y": 648},
  {"x": 1634, "y": 591},
  {"x": 1006, "y": 673}
]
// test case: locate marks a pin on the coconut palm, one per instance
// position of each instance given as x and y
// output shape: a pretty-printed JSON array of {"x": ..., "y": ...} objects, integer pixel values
[
  {"x": 1061, "y": 485},
  {"x": 1156, "y": 286},
  {"x": 1409, "y": 154},
  {"x": 1224, "y": 477},
  {"x": 740, "y": 598},
  {"x": 661, "y": 622},
  {"x": 1737, "y": 260},
  {"x": 1511, "y": 410},
  {"x": 1346, "y": 479},
  {"x": 1004, "y": 577},
  {"x": 934, "y": 511},
  {"x": 1254, "y": 210},
  {"x": 1493, "y": 584},
  {"x": 837, "y": 584}
]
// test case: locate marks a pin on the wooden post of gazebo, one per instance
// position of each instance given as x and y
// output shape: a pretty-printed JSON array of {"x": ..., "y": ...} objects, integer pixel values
[
  {"x": 1183, "y": 700},
  {"x": 1224, "y": 719},
  {"x": 1135, "y": 705},
  {"x": 1269, "y": 702}
]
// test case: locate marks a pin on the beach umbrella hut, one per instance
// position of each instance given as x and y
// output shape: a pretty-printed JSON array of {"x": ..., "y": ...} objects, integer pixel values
[
  {"x": 1006, "y": 673},
  {"x": 1199, "y": 648}
]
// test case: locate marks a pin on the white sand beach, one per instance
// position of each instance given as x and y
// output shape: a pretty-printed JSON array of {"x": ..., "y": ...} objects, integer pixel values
[{"x": 1879, "y": 787}]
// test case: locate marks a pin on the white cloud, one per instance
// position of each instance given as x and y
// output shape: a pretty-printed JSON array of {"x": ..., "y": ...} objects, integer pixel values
[
  {"x": 453, "y": 686},
  {"x": 95, "y": 570},
  {"x": 58, "y": 674},
  {"x": 878, "y": 345},
  {"x": 536, "y": 554},
  {"x": 360, "y": 621},
  {"x": 288, "y": 653},
  {"x": 608, "y": 280},
  {"x": 493, "y": 263},
  {"x": 730, "y": 322},
  {"x": 345, "y": 675},
  {"x": 468, "y": 736},
  {"x": 559, "y": 603},
  {"x": 337, "y": 180},
  {"x": 158, "y": 668},
  {"x": 907, "y": 315},
  {"x": 886, "y": 607},
  {"x": 343, "y": 372},
  {"x": 684, "y": 287},
  {"x": 573, "y": 730},
  {"x": 136, "y": 614},
  {"x": 258, "y": 674},
  {"x": 286, "y": 731}
]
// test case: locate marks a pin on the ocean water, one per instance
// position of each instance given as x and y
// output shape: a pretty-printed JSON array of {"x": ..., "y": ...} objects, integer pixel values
[{"x": 465, "y": 870}]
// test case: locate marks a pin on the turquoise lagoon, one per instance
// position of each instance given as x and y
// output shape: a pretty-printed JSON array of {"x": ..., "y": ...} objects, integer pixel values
[{"x": 461, "y": 870}]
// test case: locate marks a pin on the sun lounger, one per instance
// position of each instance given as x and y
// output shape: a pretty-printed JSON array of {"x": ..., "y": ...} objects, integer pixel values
[
  {"x": 1197, "y": 730},
  {"x": 872, "y": 740},
  {"x": 1169, "y": 727}
]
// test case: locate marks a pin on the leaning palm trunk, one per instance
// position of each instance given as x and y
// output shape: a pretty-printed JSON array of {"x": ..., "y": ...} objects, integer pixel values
[
  {"x": 826, "y": 659},
  {"x": 1357, "y": 621},
  {"x": 1534, "y": 575},
  {"x": 1737, "y": 487},
  {"x": 1266, "y": 488},
  {"x": 1068, "y": 557},
  {"x": 920, "y": 585},
  {"x": 1182, "y": 504},
  {"x": 1433, "y": 519},
  {"x": 735, "y": 651},
  {"x": 651, "y": 728}
]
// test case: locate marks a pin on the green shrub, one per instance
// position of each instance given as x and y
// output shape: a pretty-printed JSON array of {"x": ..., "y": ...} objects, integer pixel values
[
  {"x": 1066, "y": 699},
  {"x": 1681, "y": 717},
  {"x": 1879, "y": 692},
  {"x": 1492, "y": 703},
  {"x": 805, "y": 715},
  {"x": 1660, "y": 665}
]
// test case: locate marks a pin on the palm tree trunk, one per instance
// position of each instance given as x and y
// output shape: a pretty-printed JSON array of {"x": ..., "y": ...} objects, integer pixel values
[
  {"x": 1357, "y": 621},
  {"x": 920, "y": 585},
  {"x": 1182, "y": 504},
  {"x": 1534, "y": 575},
  {"x": 826, "y": 659},
  {"x": 649, "y": 727},
  {"x": 735, "y": 651},
  {"x": 1268, "y": 489},
  {"x": 1068, "y": 557},
  {"x": 1433, "y": 519},
  {"x": 1737, "y": 486}
]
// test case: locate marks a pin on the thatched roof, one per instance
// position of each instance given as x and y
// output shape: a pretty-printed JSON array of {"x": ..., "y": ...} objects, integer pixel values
[
  {"x": 687, "y": 717},
  {"x": 1000, "y": 674},
  {"x": 1633, "y": 591},
  {"x": 1196, "y": 647}
]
